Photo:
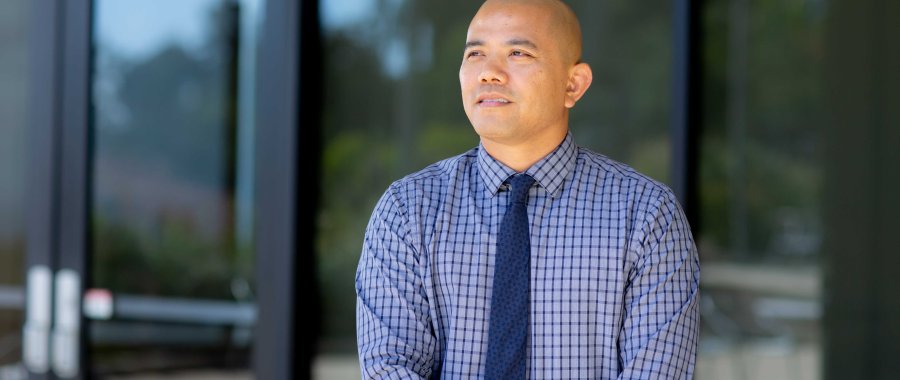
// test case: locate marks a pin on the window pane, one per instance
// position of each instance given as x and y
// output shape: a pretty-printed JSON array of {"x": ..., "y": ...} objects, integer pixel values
[
  {"x": 760, "y": 189},
  {"x": 172, "y": 183},
  {"x": 14, "y": 74},
  {"x": 393, "y": 106},
  {"x": 625, "y": 113}
]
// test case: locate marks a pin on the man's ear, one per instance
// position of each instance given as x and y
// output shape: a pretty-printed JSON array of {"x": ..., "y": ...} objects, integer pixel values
[{"x": 580, "y": 77}]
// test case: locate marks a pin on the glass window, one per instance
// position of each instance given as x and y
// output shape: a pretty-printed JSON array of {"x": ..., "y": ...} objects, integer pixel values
[
  {"x": 393, "y": 106},
  {"x": 761, "y": 189},
  {"x": 14, "y": 91},
  {"x": 172, "y": 166}
]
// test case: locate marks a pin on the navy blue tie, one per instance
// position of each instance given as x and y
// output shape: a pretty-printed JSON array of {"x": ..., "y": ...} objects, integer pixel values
[{"x": 508, "y": 330}]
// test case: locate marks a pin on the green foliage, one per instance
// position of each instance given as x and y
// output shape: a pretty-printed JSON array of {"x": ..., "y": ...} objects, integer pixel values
[
  {"x": 760, "y": 148},
  {"x": 176, "y": 261},
  {"x": 164, "y": 141}
]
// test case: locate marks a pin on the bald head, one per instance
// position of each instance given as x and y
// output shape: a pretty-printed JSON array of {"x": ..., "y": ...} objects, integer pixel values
[
  {"x": 554, "y": 16},
  {"x": 520, "y": 75}
]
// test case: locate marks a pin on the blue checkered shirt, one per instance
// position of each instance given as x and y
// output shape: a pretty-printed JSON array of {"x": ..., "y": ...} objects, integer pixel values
[{"x": 614, "y": 272}]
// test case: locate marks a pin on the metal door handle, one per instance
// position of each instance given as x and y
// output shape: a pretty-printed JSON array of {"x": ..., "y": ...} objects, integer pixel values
[
  {"x": 36, "y": 331},
  {"x": 67, "y": 326}
]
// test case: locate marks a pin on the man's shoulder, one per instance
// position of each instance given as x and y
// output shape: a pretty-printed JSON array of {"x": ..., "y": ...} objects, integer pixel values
[
  {"x": 430, "y": 180},
  {"x": 442, "y": 170},
  {"x": 637, "y": 182}
]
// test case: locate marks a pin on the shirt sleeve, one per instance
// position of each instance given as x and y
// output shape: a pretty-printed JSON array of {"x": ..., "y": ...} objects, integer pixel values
[
  {"x": 659, "y": 333},
  {"x": 393, "y": 323}
]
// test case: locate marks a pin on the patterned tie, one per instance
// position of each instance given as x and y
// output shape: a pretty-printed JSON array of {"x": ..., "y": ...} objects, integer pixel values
[{"x": 508, "y": 330}]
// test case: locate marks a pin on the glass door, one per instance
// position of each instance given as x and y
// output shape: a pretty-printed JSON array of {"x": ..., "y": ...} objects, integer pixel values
[
  {"x": 150, "y": 214},
  {"x": 171, "y": 189}
]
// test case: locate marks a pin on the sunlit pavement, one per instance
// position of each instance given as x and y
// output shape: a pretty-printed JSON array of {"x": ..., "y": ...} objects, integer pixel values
[{"x": 775, "y": 359}]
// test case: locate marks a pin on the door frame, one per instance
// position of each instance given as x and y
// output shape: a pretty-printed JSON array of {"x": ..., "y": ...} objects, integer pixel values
[
  {"x": 59, "y": 183},
  {"x": 56, "y": 181}
]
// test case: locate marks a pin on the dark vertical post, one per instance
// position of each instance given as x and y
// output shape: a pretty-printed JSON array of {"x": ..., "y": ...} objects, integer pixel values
[
  {"x": 76, "y": 142},
  {"x": 861, "y": 177},
  {"x": 43, "y": 213},
  {"x": 308, "y": 172},
  {"x": 287, "y": 153},
  {"x": 685, "y": 115},
  {"x": 75, "y": 179},
  {"x": 43, "y": 132}
]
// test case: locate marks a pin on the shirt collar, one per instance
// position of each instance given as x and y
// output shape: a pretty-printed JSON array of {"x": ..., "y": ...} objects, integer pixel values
[{"x": 550, "y": 172}]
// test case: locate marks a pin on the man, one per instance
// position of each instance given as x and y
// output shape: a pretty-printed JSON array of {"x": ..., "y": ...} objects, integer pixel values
[{"x": 527, "y": 257}]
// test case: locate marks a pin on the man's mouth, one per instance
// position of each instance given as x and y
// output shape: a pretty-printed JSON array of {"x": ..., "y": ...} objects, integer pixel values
[{"x": 492, "y": 100}]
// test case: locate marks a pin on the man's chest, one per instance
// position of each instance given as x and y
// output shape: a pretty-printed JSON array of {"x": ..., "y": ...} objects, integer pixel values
[{"x": 578, "y": 262}]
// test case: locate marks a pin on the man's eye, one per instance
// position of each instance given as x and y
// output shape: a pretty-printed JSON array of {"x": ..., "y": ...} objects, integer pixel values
[
  {"x": 473, "y": 54},
  {"x": 519, "y": 53}
]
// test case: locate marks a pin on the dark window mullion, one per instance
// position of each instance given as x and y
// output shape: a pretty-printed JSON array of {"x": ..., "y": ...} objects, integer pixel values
[
  {"x": 685, "y": 119},
  {"x": 286, "y": 156},
  {"x": 74, "y": 190}
]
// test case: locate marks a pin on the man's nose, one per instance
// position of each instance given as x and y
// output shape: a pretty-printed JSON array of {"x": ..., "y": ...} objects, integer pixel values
[{"x": 492, "y": 72}]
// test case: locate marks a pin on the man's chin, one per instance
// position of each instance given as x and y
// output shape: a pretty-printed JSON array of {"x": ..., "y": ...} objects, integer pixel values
[{"x": 494, "y": 131}]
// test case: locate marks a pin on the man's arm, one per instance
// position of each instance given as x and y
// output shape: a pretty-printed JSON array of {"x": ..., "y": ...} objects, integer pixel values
[
  {"x": 393, "y": 324},
  {"x": 660, "y": 329}
]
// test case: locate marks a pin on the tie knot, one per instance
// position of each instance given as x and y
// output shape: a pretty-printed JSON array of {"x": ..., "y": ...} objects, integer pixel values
[{"x": 520, "y": 184}]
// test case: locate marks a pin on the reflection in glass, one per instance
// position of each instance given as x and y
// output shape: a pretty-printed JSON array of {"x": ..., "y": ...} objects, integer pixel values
[
  {"x": 164, "y": 159},
  {"x": 393, "y": 106},
  {"x": 172, "y": 173},
  {"x": 14, "y": 74},
  {"x": 761, "y": 169},
  {"x": 760, "y": 190}
]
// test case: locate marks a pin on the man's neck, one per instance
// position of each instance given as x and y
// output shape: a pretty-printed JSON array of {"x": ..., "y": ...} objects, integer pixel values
[{"x": 522, "y": 156}]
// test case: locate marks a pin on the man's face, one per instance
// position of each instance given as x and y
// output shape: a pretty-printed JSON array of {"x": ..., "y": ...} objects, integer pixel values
[{"x": 514, "y": 73}]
